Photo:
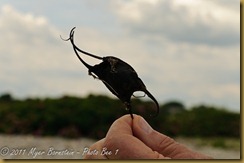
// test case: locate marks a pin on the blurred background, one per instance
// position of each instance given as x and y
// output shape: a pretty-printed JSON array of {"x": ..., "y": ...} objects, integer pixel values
[{"x": 187, "y": 52}]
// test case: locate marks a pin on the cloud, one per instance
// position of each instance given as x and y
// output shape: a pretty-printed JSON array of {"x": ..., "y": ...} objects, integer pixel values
[
  {"x": 196, "y": 22},
  {"x": 34, "y": 61},
  {"x": 192, "y": 48}
]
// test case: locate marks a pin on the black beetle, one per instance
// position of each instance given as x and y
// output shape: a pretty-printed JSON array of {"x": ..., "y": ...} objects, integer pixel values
[{"x": 118, "y": 76}]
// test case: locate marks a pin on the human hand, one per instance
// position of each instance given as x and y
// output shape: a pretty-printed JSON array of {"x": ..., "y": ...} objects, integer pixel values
[{"x": 135, "y": 139}]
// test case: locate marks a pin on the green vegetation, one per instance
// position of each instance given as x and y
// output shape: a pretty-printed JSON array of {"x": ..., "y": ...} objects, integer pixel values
[{"x": 92, "y": 116}]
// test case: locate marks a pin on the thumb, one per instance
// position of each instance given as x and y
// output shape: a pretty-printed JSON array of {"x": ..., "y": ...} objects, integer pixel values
[
  {"x": 153, "y": 139},
  {"x": 120, "y": 138},
  {"x": 161, "y": 143}
]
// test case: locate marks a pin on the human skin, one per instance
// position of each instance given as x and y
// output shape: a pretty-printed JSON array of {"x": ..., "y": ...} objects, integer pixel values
[{"x": 130, "y": 138}]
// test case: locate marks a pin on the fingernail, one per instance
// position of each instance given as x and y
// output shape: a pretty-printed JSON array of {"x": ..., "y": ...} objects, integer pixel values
[{"x": 145, "y": 126}]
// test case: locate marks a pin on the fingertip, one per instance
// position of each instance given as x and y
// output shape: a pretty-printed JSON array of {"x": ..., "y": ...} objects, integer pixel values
[{"x": 140, "y": 127}]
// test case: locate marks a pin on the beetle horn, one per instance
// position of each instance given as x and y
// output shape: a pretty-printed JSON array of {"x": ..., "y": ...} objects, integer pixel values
[
  {"x": 82, "y": 51},
  {"x": 155, "y": 101},
  {"x": 71, "y": 38}
]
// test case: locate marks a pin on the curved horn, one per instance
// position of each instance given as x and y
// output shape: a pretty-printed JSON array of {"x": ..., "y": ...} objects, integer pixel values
[
  {"x": 82, "y": 51},
  {"x": 71, "y": 38},
  {"x": 155, "y": 101}
]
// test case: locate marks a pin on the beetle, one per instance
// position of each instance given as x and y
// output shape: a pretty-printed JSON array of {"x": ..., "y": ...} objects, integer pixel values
[{"x": 118, "y": 76}]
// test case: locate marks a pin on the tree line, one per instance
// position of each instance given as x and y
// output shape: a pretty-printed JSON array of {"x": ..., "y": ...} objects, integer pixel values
[{"x": 91, "y": 116}]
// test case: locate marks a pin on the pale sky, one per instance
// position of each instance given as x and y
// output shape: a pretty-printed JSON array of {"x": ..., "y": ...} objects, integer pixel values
[{"x": 184, "y": 50}]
